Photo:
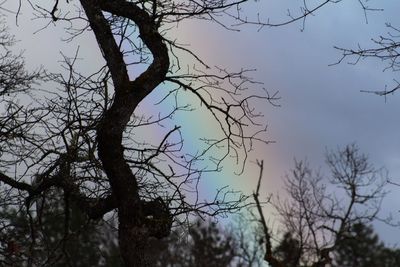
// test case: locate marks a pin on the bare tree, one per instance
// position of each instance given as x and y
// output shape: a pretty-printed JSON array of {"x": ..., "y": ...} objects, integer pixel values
[
  {"x": 87, "y": 138},
  {"x": 315, "y": 219}
]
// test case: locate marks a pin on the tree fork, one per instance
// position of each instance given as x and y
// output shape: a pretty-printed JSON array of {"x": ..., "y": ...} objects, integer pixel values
[{"x": 134, "y": 233}]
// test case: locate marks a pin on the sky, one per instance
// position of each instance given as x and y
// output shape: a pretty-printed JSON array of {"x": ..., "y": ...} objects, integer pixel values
[{"x": 321, "y": 106}]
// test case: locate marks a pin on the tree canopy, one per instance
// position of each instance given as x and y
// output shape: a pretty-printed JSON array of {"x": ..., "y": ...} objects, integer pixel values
[{"x": 86, "y": 139}]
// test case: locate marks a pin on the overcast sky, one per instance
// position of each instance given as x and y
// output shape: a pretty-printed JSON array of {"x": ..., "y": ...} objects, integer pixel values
[{"x": 321, "y": 106}]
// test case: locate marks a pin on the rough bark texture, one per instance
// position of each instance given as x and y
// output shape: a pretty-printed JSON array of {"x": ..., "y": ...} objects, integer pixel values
[{"x": 134, "y": 232}]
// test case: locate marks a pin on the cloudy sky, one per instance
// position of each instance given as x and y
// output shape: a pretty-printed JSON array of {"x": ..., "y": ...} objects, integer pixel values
[{"x": 321, "y": 105}]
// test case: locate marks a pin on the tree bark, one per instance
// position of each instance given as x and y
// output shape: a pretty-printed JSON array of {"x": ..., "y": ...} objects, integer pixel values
[{"x": 134, "y": 231}]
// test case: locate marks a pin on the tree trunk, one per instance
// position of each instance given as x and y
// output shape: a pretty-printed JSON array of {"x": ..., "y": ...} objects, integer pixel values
[
  {"x": 134, "y": 246},
  {"x": 134, "y": 228}
]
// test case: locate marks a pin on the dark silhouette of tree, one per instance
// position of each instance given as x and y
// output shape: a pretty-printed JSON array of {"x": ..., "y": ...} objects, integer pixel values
[
  {"x": 205, "y": 244},
  {"x": 361, "y": 247},
  {"x": 211, "y": 247},
  {"x": 288, "y": 251},
  {"x": 87, "y": 138},
  {"x": 316, "y": 220},
  {"x": 83, "y": 243},
  {"x": 59, "y": 242}
]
